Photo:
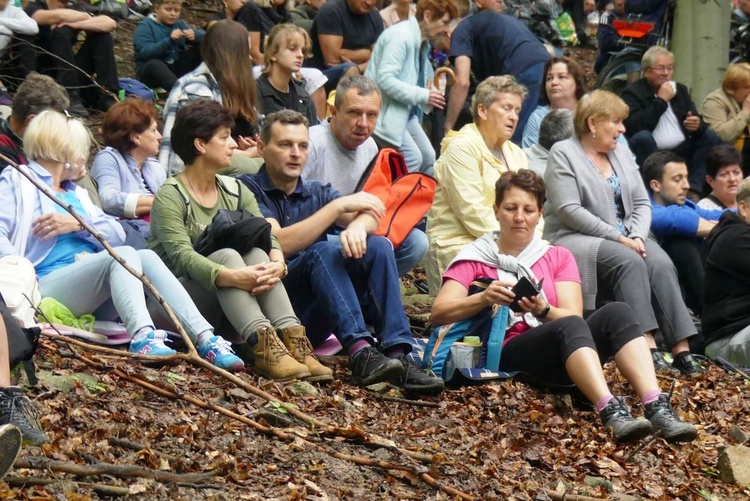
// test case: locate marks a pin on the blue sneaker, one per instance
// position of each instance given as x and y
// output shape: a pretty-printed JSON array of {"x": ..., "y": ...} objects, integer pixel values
[
  {"x": 151, "y": 343},
  {"x": 218, "y": 351}
]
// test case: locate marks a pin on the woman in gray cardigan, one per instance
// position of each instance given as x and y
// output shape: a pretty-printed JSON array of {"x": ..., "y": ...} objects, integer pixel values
[{"x": 598, "y": 208}]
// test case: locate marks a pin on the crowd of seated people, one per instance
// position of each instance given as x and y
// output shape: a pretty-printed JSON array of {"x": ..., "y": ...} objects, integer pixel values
[{"x": 606, "y": 219}]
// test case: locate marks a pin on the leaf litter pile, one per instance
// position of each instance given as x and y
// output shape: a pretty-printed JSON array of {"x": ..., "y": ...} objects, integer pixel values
[{"x": 500, "y": 440}]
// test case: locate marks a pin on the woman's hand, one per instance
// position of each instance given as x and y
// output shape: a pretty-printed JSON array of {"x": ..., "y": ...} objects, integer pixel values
[
  {"x": 498, "y": 292},
  {"x": 53, "y": 224},
  {"x": 635, "y": 244},
  {"x": 256, "y": 279},
  {"x": 533, "y": 304}
]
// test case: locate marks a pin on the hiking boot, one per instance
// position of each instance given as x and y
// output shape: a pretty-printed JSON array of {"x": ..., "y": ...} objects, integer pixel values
[
  {"x": 10, "y": 443},
  {"x": 273, "y": 361},
  {"x": 665, "y": 422},
  {"x": 77, "y": 109},
  {"x": 414, "y": 379},
  {"x": 218, "y": 351},
  {"x": 299, "y": 346},
  {"x": 17, "y": 410},
  {"x": 622, "y": 425},
  {"x": 151, "y": 343},
  {"x": 687, "y": 364},
  {"x": 369, "y": 366},
  {"x": 660, "y": 363}
]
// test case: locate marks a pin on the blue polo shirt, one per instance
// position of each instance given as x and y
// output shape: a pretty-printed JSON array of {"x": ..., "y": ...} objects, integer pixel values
[
  {"x": 497, "y": 44},
  {"x": 307, "y": 199}
]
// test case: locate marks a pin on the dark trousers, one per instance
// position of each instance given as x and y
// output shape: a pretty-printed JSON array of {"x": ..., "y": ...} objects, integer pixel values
[
  {"x": 694, "y": 150},
  {"x": 19, "y": 61},
  {"x": 156, "y": 73},
  {"x": 95, "y": 57},
  {"x": 531, "y": 78},
  {"x": 542, "y": 351},
  {"x": 685, "y": 253}
]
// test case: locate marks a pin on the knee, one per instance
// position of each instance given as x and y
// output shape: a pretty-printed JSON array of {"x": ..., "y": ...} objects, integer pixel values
[
  {"x": 326, "y": 252},
  {"x": 417, "y": 243},
  {"x": 379, "y": 245},
  {"x": 256, "y": 256},
  {"x": 61, "y": 35},
  {"x": 129, "y": 254},
  {"x": 227, "y": 257},
  {"x": 149, "y": 258},
  {"x": 642, "y": 139},
  {"x": 575, "y": 331},
  {"x": 620, "y": 313}
]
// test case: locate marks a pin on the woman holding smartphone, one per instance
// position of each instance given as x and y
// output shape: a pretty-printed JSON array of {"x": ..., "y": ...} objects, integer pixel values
[{"x": 549, "y": 340}]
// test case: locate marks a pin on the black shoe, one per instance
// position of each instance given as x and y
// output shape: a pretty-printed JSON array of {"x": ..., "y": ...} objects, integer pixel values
[
  {"x": 77, "y": 109},
  {"x": 660, "y": 363},
  {"x": 10, "y": 444},
  {"x": 17, "y": 410},
  {"x": 624, "y": 427},
  {"x": 104, "y": 103},
  {"x": 686, "y": 363},
  {"x": 369, "y": 366},
  {"x": 414, "y": 379},
  {"x": 666, "y": 423}
]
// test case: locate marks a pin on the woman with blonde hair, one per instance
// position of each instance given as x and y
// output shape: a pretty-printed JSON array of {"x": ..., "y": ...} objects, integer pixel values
[
  {"x": 470, "y": 163},
  {"x": 287, "y": 46},
  {"x": 727, "y": 110},
  {"x": 67, "y": 259},
  {"x": 598, "y": 208},
  {"x": 226, "y": 76}
]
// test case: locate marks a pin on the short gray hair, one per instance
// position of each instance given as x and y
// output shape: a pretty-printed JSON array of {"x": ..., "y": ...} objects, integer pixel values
[
  {"x": 648, "y": 57},
  {"x": 488, "y": 91},
  {"x": 556, "y": 126},
  {"x": 363, "y": 85},
  {"x": 743, "y": 190}
]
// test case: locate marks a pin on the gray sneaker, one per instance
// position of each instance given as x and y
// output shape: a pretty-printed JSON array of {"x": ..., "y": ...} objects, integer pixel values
[
  {"x": 10, "y": 444},
  {"x": 17, "y": 410},
  {"x": 665, "y": 422},
  {"x": 624, "y": 427}
]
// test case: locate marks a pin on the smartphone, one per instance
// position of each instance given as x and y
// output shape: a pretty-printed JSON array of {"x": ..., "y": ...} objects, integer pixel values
[{"x": 524, "y": 288}]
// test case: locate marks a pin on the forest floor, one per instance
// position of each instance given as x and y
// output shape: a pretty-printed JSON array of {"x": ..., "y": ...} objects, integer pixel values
[{"x": 500, "y": 440}]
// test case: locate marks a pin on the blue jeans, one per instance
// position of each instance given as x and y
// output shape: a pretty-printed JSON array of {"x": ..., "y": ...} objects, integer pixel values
[
  {"x": 531, "y": 78},
  {"x": 334, "y": 74},
  {"x": 416, "y": 148},
  {"x": 91, "y": 284},
  {"x": 408, "y": 255},
  {"x": 334, "y": 294}
]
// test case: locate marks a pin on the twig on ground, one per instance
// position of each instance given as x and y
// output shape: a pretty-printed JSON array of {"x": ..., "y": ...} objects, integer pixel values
[
  {"x": 135, "y": 446},
  {"x": 104, "y": 489},
  {"x": 556, "y": 496},
  {"x": 416, "y": 403}
]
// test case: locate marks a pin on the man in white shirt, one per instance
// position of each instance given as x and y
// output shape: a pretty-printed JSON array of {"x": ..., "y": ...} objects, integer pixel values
[
  {"x": 664, "y": 117},
  {"x": 17, "y": 57}
]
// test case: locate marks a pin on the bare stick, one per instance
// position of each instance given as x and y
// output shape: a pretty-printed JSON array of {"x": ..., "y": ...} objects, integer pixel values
[
  {"x": 416, "y": 403},
  {"x": 135, "y": 446},
  {"x": 104, "y": 489}
]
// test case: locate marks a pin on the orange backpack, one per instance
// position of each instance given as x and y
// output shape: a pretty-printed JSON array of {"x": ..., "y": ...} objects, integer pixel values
[{"x": 407, "y": 195}]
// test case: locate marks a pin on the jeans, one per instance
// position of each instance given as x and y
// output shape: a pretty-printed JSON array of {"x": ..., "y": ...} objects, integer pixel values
[
  {"x": 531, "y": 78},
  {"x": 88, "y": 285},
  {"x": 408, "y": 255},
  {"x": 331, "y": 293},
  {"x": 334, "y": 74},
  {"x": 416, "y": 148}
]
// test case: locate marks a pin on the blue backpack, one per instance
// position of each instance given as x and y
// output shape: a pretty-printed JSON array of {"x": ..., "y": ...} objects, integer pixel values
[
  {"x": 132, "y": 87},
  {"x": 489, "y": 325}
]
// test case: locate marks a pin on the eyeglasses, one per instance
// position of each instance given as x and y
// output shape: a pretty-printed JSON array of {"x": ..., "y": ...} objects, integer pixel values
[{"x": 663, "y": 69}]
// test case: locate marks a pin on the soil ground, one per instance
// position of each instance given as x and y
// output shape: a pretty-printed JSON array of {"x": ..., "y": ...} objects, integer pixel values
[{"x": 499, "y": 440}]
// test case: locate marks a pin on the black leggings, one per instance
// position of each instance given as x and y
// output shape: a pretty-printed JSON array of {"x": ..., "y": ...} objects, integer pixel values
[{"x": 541, "y": 352}]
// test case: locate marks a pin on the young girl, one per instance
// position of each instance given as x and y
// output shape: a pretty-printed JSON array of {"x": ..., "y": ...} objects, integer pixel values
[{"x": 286, "y": 48}]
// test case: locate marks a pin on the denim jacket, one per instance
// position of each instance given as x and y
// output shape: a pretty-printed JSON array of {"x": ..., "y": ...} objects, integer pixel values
[
  {"x": 37, "y": 250},
  {"x": 120, "y": 182}
]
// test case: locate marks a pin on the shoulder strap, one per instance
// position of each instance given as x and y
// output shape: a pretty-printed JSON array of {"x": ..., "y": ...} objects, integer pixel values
[{"x": 185, "y": 199}]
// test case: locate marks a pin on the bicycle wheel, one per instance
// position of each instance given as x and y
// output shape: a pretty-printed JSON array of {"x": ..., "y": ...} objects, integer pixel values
[{"x": 620, "y": 72}]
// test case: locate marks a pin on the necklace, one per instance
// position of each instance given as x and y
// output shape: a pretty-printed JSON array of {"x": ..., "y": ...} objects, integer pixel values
[
  {"x": 193, "y": 190},
  {"x": 604, "y": 171}
]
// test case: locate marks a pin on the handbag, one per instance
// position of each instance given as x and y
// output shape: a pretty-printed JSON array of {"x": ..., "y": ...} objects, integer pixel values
[{"x": 234, "y": 229}]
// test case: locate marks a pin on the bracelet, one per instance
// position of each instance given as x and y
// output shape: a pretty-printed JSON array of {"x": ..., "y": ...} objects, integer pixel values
[{"x": 544, "y": 312}]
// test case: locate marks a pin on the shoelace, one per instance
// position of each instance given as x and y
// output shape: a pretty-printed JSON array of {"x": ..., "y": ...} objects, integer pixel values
[
  {"x": 19, "y": 407},
  {"x": 273, "y": 346},
  {"x": 303, "y": 346}
]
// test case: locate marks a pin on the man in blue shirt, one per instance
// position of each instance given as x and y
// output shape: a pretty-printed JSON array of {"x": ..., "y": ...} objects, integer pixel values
[
  {"x": 335, "y": 285},
  {"x": 489, "y": 44},
  {"x": 677, "y": 222}
]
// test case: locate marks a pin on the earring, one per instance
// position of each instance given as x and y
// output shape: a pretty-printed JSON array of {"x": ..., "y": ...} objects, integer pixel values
[
  {"x": 593, "y": 135},
  {"x": 67, "y": 166}
]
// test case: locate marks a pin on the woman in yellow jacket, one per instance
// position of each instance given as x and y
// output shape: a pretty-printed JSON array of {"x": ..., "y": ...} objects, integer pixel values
[{"x": 470, "y": 163}]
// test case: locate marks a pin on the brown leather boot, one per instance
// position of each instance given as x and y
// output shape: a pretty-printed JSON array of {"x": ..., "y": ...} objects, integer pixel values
[
  {"x": 299, "y": 346},
  {"x": 273, "y": 361}
]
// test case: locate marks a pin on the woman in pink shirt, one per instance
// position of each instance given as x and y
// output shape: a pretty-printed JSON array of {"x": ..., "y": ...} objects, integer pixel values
[{"x": 549, "y": 340}]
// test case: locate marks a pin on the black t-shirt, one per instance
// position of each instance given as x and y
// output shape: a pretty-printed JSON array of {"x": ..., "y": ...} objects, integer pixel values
[
  {"x": 497, "y": 44},
  {"x": 335, "y": 18},
  {"x": 257, "y": 19},
  {"x": 45, "y": 31}
]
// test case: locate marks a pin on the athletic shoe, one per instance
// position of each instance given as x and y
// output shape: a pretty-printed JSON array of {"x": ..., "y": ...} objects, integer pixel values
[
  {"x": 686, "y": 363},
  {"x": 10, "y": 443},
  {"x": 624, "y": 427},
  {"x": 660, "y": 363},
  {"x": 17, "y": 410},
  {"x": 151, "y": 343},
  {"x": 666, "y": 423},
  {"x": 218, "y": 351},
  {"x": 414, "y": 379},
  {"x": 369, "y": 366}
]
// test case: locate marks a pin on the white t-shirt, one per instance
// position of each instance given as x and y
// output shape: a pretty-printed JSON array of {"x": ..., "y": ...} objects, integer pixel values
[
  {"x": 13, "y": 20},
  {"x": 329, "y": 162},
  {"x": 668, "y": 133}
]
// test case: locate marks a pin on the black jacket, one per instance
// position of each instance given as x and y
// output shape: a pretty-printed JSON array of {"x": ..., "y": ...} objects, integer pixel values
[
  {"x": 270, "y": 102},
  {"x": 726, "y": 285},
  {"x": 646, "y": 109}
]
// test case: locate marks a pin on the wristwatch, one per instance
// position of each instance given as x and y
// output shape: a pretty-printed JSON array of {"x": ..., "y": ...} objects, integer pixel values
[{"x": 544, "y": 312}]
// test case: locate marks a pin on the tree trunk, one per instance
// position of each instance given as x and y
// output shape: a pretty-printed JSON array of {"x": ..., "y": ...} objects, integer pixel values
[{"x": 701, "y": 44}]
